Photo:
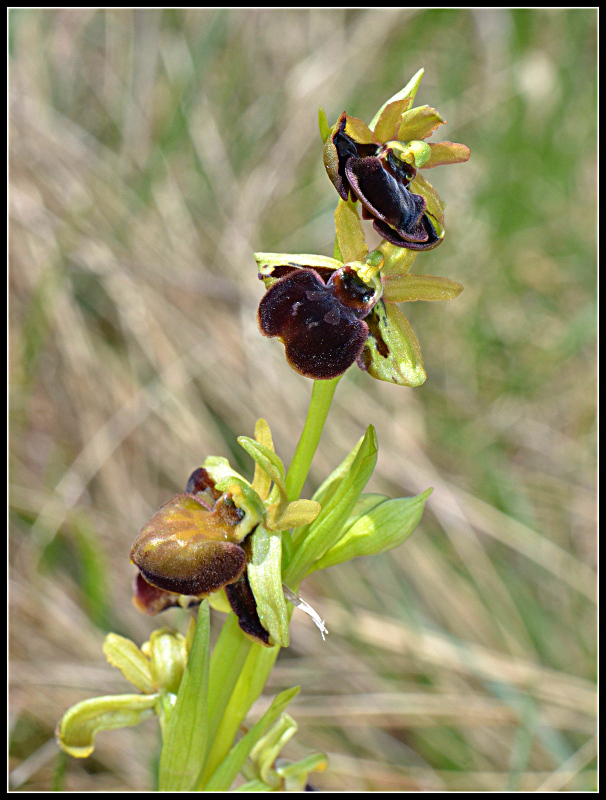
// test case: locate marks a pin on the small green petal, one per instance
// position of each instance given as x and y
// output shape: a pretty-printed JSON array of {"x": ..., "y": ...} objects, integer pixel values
[
  {"x": 382, "y": 528},
  {"x": 419, "y": 123},
  {"x": 446, "y": 153},
  {"x": 407, "y": 93},
  {"x": 406, "y": 288},
  {"x": 126, "y": 656},
  {"x": 264, "y": 571},
  {"x": 81, "y": 724},
  {"x": 168, "y": 657},
  {"x": 392, "y": 351},
  {"x": 350, "y": 233}
]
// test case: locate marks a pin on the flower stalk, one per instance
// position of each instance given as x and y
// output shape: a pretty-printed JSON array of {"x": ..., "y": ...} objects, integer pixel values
[{"x": 243, "y": 548}]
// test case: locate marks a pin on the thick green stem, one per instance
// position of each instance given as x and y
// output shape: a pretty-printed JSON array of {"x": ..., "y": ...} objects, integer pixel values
[{"x": 321, "y": 398}]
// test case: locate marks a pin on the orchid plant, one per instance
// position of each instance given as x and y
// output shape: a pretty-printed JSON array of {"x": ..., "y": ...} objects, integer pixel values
[{"x": 243, "y": 548}]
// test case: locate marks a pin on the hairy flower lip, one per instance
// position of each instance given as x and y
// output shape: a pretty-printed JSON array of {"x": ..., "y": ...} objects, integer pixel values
[
  {"x": 321, "y": 323},
  {"x": 191, "y": 549}
]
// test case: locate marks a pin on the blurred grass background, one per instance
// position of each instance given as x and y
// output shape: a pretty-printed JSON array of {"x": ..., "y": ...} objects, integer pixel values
[{"x": 151, "y": 153}]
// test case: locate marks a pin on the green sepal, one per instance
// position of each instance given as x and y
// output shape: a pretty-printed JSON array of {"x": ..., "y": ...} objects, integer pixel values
[
  {"x": 186, "y": 731},
  {"x": 245, "y": 498},
  {"x": 132, "y": 663},
  {"x": 226, "y": 772},
  {"x": 419, "y": 123},
  {"x": 264, "y": 571},
  {"x": 329, "y": 486},
  {"x": 406, "y": 288},
  {"x": 80, "y": 725},
  {"x": 314, "y": 540},
  {"x": 407, "y": 93},
  {"x": 350, "y": 233},
  {"x": 323, "y": 125},
  {"x": 392, "y": 351},
  {"x": 383, "y": 527},
  {"x": 443, "y": 153}
]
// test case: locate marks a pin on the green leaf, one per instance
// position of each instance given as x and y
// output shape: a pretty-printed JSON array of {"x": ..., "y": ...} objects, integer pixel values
[
  {"x": 381, "y": 528},
  {"x": 327, "y": 489},
  {"x": 252, "y": 678},
  {"x": 229, "y": 654},
  {"x": 265, "y": 576},
  {"x": 185, "y": 738},
  {"x": 326, "y": 530},
  {"x": 81, "y": 724},
  {"x": 392, "y": 351},
  {"x": 226, "y": 772},
  {"x": 126, "y": 656}
]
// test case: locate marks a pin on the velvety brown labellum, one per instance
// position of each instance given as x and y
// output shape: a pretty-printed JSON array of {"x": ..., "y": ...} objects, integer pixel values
[
  {"x": 321, "y": 324},
  {"x": 185, "y": 548}
]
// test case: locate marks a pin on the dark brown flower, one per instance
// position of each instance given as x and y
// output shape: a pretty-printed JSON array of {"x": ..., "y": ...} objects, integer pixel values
[
  {"x": 191, "y": 548},
  {"x": 321, "y": 322}
]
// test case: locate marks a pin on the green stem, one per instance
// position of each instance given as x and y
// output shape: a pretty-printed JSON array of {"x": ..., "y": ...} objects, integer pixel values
[
  {"x": 236, "y": 682},
  {"x": 321, "y": 398}
]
